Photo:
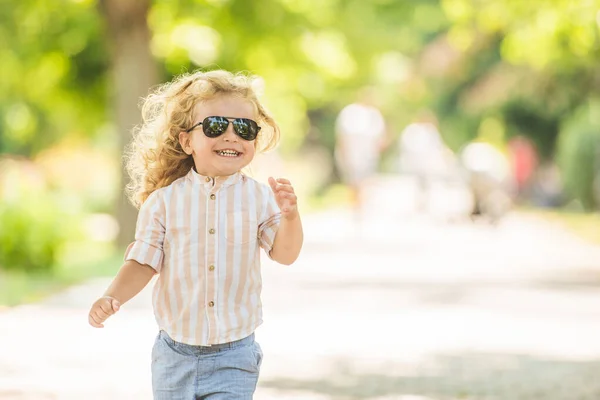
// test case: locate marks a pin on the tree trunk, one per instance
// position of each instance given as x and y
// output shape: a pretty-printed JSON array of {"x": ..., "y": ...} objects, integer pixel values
[{"x": 133, "y": 72}]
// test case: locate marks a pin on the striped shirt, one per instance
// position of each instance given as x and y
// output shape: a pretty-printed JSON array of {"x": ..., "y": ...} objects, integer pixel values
[{"x": 202, "y": 235}]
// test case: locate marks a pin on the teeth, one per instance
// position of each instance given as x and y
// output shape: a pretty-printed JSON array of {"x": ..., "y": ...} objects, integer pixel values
[{"x": 228, "y": 153}]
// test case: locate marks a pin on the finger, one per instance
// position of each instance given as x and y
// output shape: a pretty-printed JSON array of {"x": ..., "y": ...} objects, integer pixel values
[
  {"x": 113, "y": 304},
  {"x": 106, "y": 307},
  {"x": 93, "y": 322},
  {"x": 273, "y": 184},
  {"x": 281, "y": 197},
  {"x": 284, "y": 181},
  {"x": 116, "y": 305},
  {"x": 102, "y": 314},
  {"x": 99, "y": 316},
  {"x": 285, "y": 188},
  {"x": 290, "y": 197}
]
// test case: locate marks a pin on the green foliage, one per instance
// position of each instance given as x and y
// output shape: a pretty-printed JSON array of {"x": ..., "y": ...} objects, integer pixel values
[
  {"x": 526, "y": 119},
  {"x": 528, "y": 64},
  {"x": 579, "y": 155},
  {"x": 34, "y": 229},
  {"x": 36, "y": 223},
  {"x": 53, "y": 73}
]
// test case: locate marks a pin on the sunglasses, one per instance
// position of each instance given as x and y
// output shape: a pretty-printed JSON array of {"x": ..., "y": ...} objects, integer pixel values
[{"x": 215, "y": 126}]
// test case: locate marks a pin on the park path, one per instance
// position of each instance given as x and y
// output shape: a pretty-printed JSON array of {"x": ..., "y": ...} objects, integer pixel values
[{"x": 400, "y": 306}]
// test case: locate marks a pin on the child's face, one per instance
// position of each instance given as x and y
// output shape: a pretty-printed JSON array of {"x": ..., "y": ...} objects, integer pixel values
[{"x": 208, "y": 155}]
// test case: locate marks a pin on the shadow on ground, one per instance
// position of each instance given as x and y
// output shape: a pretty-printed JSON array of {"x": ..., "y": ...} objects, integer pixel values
[{"x": 461, "y": 376}]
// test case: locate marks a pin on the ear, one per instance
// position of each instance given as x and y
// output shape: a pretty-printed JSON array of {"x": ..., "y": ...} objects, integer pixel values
[{"x": 184, "y": 141}]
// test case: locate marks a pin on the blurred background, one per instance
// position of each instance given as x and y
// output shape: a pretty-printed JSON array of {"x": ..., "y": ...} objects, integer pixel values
[{"x": 447, "y": 159}]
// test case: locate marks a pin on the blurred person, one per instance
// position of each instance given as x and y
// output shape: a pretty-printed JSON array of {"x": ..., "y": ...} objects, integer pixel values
[
  {"x": 200, "y": 227},
  {"x": 360, "y": 137},
  {"x": 489, "y": 178},
  {"x": 524, "y": 160},
  {"x": 546, "y": 186},
  {"x": 424, "y": 155}
]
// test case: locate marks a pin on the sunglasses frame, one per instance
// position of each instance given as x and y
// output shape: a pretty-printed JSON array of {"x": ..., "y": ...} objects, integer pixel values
[{"x": 230, "y": 120}]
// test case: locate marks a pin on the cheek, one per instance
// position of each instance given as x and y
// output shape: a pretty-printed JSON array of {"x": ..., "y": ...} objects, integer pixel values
[
  {"x": 249, "y": 150},
  {"x": 202, "y": 143}
]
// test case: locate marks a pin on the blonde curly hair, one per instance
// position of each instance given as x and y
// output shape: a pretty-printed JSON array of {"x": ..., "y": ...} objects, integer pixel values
[{"x": 154, "y": 158}]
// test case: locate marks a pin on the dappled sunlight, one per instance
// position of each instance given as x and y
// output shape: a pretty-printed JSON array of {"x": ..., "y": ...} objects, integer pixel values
[
  {"x": 446, "y": 159},
  {"x": 328, "y": 52},
  {"x": 200, "y": 42},
  {"x": 498, "y": 376}
]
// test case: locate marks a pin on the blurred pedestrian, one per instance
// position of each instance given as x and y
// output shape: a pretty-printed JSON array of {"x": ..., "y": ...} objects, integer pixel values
[
  {"x": 490, "y": 180},
  {"x": 524, "y": 161},
  {"x": 424, "y": 155},
  {"x": 360, "y": 136}
]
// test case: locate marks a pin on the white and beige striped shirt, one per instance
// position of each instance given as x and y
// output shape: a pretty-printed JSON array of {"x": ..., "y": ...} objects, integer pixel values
[{"x": 202, "y": 235}]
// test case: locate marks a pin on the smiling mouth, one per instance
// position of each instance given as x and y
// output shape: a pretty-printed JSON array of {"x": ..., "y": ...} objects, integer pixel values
[{"x": 228, "y": 153}]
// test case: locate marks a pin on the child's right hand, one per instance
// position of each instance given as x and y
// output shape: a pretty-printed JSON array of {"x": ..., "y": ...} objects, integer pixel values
[{"x": 103, "y": 308}]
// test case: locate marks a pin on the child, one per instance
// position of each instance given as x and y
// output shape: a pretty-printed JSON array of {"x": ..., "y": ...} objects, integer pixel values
[{"x": 200, "y": 224}]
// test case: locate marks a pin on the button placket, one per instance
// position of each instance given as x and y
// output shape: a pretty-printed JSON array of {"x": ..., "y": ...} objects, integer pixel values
[
  {"x": 211, "y": 272},
  {"x": 212, "y": 206}
]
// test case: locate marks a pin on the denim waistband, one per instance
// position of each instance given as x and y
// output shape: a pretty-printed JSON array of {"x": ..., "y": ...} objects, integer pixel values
[{"x": 248, "y": 340}]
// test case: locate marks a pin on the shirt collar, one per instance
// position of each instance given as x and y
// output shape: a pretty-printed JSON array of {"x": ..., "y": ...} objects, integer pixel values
[{"x": 214, "y": 182}]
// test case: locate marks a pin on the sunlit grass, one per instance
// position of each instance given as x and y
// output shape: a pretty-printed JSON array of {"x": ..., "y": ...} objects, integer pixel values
[
  {"x": 335, "y": 196},
  {"x": 17, "y": 287},
  {"x": 585, "y": 225},
  {"x": 83, "y": 261}
]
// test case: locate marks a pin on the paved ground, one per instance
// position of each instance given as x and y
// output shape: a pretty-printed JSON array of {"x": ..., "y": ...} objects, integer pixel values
[{"x": 400, "y": 307}]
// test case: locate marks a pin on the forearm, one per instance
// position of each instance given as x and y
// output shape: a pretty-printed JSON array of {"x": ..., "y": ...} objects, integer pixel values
[
  {"x": 288, "y": 241},
  {"x": 130, "y": 280}
]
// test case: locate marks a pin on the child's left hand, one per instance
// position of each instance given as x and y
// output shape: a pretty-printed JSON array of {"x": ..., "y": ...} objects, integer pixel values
[{"x": 285, "y": 197}]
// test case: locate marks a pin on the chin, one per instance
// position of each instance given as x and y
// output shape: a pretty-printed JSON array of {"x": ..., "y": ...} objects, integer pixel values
[{"x": 225, "y": 171}]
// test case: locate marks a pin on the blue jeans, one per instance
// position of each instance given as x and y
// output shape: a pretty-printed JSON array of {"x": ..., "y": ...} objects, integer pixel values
[{"x": 223, "y": 371}]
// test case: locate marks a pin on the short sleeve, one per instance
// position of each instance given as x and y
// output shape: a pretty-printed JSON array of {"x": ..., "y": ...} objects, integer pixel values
[
  {"x": 270, "y": 218},
  {"x": 149, "y": 234}
]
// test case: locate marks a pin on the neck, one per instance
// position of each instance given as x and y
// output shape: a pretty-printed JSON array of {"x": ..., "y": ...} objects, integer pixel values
[{"x": 211, "y": 174}]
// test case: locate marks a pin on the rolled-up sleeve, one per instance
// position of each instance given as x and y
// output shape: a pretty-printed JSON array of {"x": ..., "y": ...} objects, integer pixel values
[
  {"x": 267, "y": 229},
  {"x": 149, "y": 233}
]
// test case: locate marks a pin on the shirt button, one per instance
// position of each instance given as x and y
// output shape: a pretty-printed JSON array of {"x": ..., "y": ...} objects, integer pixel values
[
  {"x": 211, "y": 231},
  {"x": 212, "y": 197},
  {"x": 207, "y": 179},
  {"x": 211, "y": 268},
  {"x": 211, "y": 303}
]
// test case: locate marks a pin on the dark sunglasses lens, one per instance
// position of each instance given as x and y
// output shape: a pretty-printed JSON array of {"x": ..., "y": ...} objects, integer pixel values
[
  {"x": 245, "y": 128},
  {"x": 214, "y": 126}
]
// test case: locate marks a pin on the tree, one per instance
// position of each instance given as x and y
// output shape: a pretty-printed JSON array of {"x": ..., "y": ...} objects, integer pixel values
[
  {"x": 527, "y": 64},
  {"x": 133, "y": 72}
]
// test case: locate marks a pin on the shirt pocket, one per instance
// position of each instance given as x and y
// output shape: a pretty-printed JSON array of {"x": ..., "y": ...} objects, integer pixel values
[{"x": 242, "y": 228}]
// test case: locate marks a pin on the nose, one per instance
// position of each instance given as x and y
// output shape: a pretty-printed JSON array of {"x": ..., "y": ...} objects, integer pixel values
[{"x": 229, "y": 135}]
